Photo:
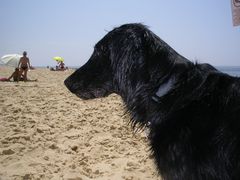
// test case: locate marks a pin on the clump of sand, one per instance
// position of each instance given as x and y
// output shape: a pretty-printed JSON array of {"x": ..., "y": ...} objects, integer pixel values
[{"x": 48, "y": 133}]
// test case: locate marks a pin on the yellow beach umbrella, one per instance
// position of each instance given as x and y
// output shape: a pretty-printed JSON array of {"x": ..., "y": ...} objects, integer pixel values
[{"x": 58, "y": 59}]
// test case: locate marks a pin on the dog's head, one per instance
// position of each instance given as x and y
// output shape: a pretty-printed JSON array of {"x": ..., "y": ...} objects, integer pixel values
[
  {"x": 94, "y": 79},
  {"x": 128, "y": 57}
]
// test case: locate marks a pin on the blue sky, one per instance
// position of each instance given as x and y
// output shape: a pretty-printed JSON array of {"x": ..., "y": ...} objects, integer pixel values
[{"x": 199, "y": 30}]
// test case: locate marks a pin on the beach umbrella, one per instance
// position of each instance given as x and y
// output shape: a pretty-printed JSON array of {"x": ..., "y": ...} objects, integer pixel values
[
  {"x": 58, "y": 59},
  {"x": 11, "y": 60}
]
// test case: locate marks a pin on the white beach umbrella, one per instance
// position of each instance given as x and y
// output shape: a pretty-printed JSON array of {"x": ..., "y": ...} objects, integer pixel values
[{"x": 11, "y": 60}]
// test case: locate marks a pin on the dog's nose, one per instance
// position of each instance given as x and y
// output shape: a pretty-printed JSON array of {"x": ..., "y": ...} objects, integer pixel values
[{"x": 69, "y": 84}]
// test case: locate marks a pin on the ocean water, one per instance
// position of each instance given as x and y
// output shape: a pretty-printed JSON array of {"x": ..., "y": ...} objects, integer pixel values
[{"x": 231, "y": 70}]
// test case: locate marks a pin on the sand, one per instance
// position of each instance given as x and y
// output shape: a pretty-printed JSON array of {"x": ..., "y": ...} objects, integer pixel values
[{"x": 48, "y": 133}]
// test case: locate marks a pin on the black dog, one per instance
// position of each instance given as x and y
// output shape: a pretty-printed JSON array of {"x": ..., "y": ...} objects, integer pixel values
[{"x": 193, "y": 109}]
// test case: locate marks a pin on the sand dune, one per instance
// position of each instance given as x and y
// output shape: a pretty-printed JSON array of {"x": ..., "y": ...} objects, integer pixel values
[{"x": 48, "y": 133}]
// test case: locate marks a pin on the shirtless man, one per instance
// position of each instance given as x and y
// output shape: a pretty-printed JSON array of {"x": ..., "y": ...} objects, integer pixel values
[{"x": 23, "y": 65}]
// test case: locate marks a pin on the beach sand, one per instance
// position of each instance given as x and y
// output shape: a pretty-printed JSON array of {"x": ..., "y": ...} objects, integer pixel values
[{"x": 48, "y": 133}]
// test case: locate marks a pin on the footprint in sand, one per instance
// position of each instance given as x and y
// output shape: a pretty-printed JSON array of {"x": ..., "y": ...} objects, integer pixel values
[{"x": 8, "y": 152}]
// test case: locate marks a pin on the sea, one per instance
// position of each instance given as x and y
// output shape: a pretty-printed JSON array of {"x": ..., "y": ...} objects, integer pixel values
[{"x": 231, "y": 70}]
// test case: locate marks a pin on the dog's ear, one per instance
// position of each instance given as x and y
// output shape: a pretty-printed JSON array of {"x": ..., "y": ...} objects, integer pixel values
[
  {"x": 147, "y": 60},
  {"x": 158, "y": 61},
  {"x": 158, "y": 56},
  {"x": 161, "y": 59}
]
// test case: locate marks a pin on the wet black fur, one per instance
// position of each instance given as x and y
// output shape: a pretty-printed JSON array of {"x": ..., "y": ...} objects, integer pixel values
[{"x": 195, "y": 126}]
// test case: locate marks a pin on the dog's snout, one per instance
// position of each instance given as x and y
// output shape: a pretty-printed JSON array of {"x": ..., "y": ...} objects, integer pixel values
[{"x": 69, "y": 84}]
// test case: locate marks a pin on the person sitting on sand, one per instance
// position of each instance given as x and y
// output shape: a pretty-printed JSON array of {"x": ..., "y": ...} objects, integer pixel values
[
  {"x": 61, "y": 66},
  {"x": 23, "y": 65},
  {"x": 15, "y": 75}
]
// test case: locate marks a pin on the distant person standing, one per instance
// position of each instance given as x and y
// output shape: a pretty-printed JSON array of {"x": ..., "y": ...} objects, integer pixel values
[{"x": 24, "y": 65}]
